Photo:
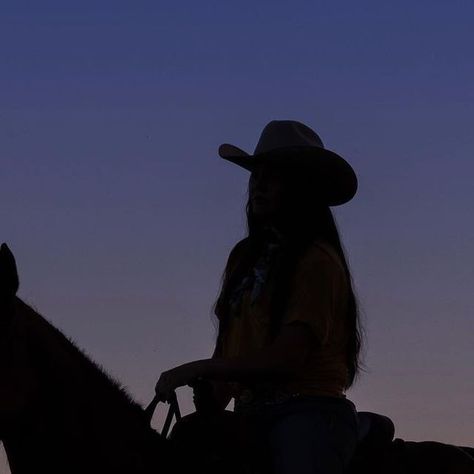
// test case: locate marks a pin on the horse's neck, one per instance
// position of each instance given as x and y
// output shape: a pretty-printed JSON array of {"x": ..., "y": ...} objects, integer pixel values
[
  {"x": 53, "y": 441},
  {"x": 80, "y": 420}
]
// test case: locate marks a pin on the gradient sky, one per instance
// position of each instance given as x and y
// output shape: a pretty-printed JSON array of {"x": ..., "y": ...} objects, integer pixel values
[{"x": 121, "y": 215}]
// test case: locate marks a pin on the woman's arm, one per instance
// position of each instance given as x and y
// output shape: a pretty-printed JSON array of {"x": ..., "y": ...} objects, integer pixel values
[{"x": 280, "y": 361}]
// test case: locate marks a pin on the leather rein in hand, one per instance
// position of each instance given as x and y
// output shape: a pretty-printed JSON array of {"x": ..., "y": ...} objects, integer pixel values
[{"x": 172, "y": 411}]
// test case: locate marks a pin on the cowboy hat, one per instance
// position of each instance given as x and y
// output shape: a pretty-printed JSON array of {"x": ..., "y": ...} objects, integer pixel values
[{"x": 288, "y": 142}]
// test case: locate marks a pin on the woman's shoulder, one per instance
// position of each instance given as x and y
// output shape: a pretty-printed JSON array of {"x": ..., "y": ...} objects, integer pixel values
[
  {"x": 236, "y": 254},
  {"x": 238, "y": 250}
]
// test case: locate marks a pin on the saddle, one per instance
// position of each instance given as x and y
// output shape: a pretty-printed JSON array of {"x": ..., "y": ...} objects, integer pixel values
[
  {"x": 217, "y": 441},
  {"x": 374, "y": 430}
]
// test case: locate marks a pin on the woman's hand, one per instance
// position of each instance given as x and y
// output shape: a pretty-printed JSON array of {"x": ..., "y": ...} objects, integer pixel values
[
  {"x": 204, "y": 397},
  {"x": 179, "y": 376}
]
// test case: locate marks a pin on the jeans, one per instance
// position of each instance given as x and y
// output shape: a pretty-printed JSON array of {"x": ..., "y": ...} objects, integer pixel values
[{"x": 310, "y": 435}]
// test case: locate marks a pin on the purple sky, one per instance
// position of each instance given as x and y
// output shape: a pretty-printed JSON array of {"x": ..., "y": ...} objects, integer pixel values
[{"x": 121, "y": 214}]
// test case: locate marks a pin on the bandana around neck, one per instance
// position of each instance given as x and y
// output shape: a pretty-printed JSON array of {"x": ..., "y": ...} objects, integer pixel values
[{"x": 258, "y": 274}]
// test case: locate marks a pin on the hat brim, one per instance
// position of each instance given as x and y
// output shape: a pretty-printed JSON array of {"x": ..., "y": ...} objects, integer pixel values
[{"x": 336, "y": 177}]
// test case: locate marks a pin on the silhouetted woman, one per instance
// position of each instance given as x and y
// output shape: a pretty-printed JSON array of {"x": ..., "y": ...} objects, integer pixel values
[{"x": 289, "y": 338}]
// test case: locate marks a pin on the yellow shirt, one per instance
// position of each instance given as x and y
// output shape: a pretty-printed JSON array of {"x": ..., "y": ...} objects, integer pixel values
[{"x": 318, "y": 298}]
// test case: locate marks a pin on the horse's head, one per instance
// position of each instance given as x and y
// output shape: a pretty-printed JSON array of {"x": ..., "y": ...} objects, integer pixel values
[
  {"x": 8, "y": 284},
  {"x": 16, "y": 377}
]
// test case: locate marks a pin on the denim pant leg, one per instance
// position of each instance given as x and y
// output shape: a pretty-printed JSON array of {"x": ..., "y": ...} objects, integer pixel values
[{"x": 313, "y": 438}]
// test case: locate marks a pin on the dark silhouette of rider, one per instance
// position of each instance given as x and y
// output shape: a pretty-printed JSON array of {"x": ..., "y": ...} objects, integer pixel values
[{"x": 289, "y": 333}]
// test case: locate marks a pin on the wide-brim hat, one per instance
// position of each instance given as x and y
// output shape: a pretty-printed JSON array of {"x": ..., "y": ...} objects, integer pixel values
[{"x": 291, "y": 143}]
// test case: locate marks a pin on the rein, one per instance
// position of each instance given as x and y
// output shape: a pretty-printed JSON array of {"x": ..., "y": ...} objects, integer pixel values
[{"x": 173, "y": 410}]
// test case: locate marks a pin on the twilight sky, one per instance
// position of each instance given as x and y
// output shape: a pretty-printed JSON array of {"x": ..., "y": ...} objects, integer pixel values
[{"x": 121, "y": 215}]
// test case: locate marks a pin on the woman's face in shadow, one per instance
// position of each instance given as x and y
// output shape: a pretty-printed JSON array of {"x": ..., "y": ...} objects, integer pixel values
[{"x": 266, "y": 187}]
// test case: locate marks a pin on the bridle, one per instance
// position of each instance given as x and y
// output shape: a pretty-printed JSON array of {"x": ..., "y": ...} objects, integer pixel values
[{"x": 173, "y": 410}]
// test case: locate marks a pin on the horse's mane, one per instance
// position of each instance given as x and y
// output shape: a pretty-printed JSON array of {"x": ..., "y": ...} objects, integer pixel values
[{"x": 44, "y": 335}]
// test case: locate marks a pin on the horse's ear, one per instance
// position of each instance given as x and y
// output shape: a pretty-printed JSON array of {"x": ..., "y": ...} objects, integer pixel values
[{"x": 9, "y": 282}]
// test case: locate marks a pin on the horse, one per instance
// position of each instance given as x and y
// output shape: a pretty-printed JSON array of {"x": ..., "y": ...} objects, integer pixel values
[{"x": 61, "y": 413}]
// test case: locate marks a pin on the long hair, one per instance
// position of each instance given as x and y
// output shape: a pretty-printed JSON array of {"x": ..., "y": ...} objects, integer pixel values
[{"x": 302, "y": 219}]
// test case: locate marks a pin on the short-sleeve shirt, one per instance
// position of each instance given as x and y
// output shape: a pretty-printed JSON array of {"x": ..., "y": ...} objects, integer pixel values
[{"x": 318, "y": 297}]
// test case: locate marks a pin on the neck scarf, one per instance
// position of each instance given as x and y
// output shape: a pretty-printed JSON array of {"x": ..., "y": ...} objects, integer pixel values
[{"x": 258, "y": 274}]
